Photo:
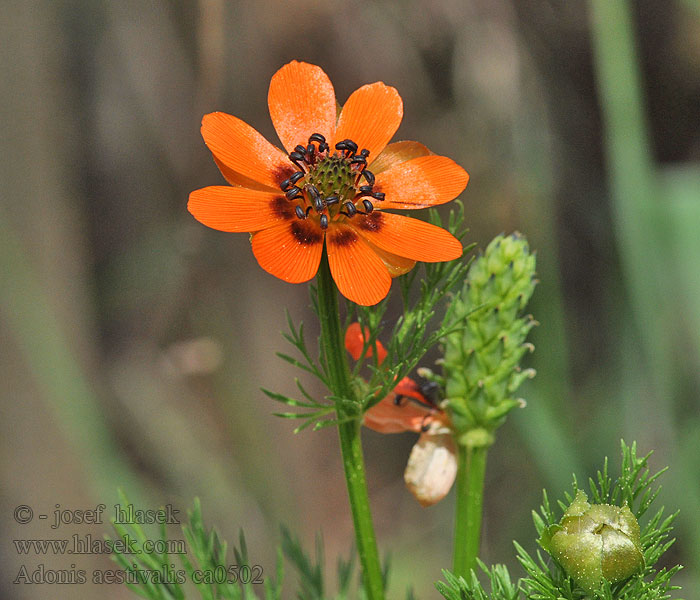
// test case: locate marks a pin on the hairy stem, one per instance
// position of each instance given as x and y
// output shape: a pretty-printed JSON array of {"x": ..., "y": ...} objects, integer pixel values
[
  {"x": 471, "y": 466},
  {"x": 349, "y": 431}
]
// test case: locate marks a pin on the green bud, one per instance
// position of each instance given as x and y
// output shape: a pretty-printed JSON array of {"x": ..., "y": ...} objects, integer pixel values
[
  {"x": 481, "y": 363},
  {"x": 595, "y": 542}
]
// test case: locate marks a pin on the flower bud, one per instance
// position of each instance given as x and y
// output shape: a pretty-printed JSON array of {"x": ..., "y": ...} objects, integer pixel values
[
  {"x": 595, "y": 542},
  {"x": 481, "y": 363}
]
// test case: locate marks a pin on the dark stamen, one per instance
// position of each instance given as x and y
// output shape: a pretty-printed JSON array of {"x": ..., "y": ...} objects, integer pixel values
[
  {"x": 300, "y": 149},
  {"x": 369, "y": 207},
  {"x": 296, "y": 177},
  {"x": 284, "y": 186},
  {"x": 350, "y": 210},
  {"x": 365, "y": 189},
  {"x": 378, "y": 195},
  {"x": 331, "y": 200},
  {"x": 369, "y": 176},
  {"x": 317, "y": 137},
  {"x": 292, "y": 193},
  {"x": 300, "y": 212},
  {"x": 324, "y": 221}
]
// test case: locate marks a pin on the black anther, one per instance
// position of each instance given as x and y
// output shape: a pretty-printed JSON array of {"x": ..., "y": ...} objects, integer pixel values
[
  {"x": 369, "y": 176},
  {"x": 358, "y": 160},
  {"x": 284, "y": 186},
  {"x": 318, "y": 204},
  {"x": 310, "y": 151},
  {"x": 296, "y": 177},
  {"x": 292, "y": 193},
  {"x": 378, "y": 195},
  {"x": 342, "y": 145},
  {"x": 296, "y": 156},
  {"x": 331, "y": 200},
  {"x": 300, "y": 212},
  {"x": 317, "y": 137},
  {"x": 364, "y": 152},
  {"x": 365, "y": 189},
  {"x": 324, "y": 221},
  {"x": 352, "y": 146},
  {"x": 369, "y": 207},
  {"x": 300, "y": 149},
  {"x": 350, "y": 210},
  {"x": 313, "y": 191}
]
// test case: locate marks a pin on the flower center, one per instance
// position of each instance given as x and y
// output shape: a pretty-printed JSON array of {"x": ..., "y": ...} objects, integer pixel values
[{"x": 331, "y": 186}]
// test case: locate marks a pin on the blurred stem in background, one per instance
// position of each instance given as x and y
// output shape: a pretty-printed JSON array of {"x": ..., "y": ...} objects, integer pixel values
[
  {"x": 646, "y": 232},
  {"x": 48, "y": 353}
]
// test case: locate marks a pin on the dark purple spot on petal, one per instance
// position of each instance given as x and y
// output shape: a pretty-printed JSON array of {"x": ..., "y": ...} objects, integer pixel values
[
  {"x": 306, "y": 232},
  {"x": 283, "y": 172},
  {"x": 372, "y": 222},
  {"x": 282, "y": 208},
  {"x": 342, "y": 237}
]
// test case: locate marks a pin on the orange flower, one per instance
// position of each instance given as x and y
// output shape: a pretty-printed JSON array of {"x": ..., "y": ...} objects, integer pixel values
[
  {"x": 333, "y": 183},
  {"x": 432, "y": 464}
]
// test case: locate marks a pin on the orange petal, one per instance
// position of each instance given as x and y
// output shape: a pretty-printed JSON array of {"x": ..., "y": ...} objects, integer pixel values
[
  {"x": 301, "y": 101},
  {"x": 239, "y": 209},
  {"x": 408, "y": 237},
  {"x": 239, "y": 180},
  {"x": 421, "y": 182},
  {"x": 290, "y": 251},
  {"x": 358, "y": 272},
  {"x": 370, "y": 118},
  {"x": 243, "y": 150},
  {"x": 397, "y": 153},
  {"x": 355, "y": 342},
  {"x": 397, "y": 265}
]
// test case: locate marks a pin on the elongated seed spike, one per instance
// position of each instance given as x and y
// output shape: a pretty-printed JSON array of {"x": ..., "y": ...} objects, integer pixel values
[{"x": 481, "y": 363}]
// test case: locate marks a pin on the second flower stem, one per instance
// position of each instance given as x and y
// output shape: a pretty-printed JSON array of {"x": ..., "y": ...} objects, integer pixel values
[
  {"x": 471, "y": 467},
  {"x": 349, "y": 431}
]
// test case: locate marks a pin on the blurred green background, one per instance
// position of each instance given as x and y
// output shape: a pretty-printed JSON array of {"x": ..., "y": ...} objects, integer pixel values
[{"x": 134, "y": 340}]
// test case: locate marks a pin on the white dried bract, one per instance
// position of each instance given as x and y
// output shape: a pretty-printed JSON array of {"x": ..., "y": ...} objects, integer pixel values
[{"x": 432, "y": 465}]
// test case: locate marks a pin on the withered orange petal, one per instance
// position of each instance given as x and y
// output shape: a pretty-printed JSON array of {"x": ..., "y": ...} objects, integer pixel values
[
  {"x": 397, "y": 153},
  {"x": 243, "y": 150},
  {"x": 301, "y": 101},
  {"x": 291, "y": 251},
  {"x": 238, "y": 209},
  {"x": 421, "y": 182},
  {"x": 357, "y": 271},
  {"x": 370, "y": 118},
  {"x": 355, "y": 341},
  {"x": 408, "y": 237}
]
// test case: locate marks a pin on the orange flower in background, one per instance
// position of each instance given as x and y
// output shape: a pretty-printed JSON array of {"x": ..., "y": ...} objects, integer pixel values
[
  {"x": 333, "y": 184},
  {"x": 432, "y": 465}
]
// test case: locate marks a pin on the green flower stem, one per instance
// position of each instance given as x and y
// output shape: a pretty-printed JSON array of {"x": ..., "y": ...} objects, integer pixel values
[
  {"x": 349, "y": 431},
  {"x": 471, "y": 466}
]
